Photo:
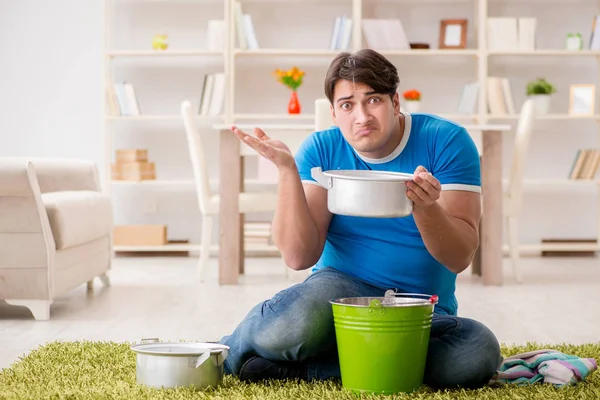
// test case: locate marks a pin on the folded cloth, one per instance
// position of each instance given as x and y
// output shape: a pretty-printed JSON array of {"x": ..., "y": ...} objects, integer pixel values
[{"x": 547, "y": 366}]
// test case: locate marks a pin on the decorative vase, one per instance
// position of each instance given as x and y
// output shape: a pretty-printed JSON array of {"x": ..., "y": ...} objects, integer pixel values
[
  {"x": 294, "y": 104},
  {"x": 541, "y": 102},
  {"x": 412, "y": 106}
]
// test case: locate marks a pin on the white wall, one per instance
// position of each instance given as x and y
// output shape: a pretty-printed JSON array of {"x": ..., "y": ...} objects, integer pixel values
[
  {"x": 51, "y": 72},
  {"x": 52, "y": 89}
]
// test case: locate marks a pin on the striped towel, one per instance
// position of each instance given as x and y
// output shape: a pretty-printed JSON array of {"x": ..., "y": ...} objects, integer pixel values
[{"x": 548, "y": 366}]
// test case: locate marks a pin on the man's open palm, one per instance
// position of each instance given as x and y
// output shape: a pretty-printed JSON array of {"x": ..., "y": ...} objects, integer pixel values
[{"x": 273, "y": 150}]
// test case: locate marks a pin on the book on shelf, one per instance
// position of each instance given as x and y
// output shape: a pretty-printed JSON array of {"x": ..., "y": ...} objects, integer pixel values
[
  {"x": 122, "y": 100},
  {"x": 595, "y": 34},
  {"x": 341, "y": 35},
  {"x": 215, "y": 35},
  {"x": 585, "y": 165},
  {"x": 500, "y": 99},
  {"x": 468, "y": 100},
  {"x": 385, "y": 34},
  {"x": 511, "y": 33},
  {"x": 212, "y": 98},
  {"x": 111, "y": 100},
  {"x": 244, "y": 27}
]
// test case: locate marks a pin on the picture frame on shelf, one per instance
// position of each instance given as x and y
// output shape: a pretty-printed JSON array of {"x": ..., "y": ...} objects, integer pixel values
[
  {"x": 453, "y": 34},
  {"x": 582, "y": 99}
]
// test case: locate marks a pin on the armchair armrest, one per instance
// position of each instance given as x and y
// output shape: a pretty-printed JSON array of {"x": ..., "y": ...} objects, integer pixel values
[
  {"x": 25, "y": 232},
  {"x": 55, "y": 175},
  {"x": 15, "y": 175}
]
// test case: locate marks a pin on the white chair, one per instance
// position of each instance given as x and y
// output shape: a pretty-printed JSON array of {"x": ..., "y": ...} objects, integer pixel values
[
  {"x": 322, "y": 114},
  {"x": 208, "y": 201},
  {"x": 513, "y": 196}
]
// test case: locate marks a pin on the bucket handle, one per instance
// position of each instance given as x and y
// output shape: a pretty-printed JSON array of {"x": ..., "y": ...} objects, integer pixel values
[
  {"x": 433, "y": 299},
  {"x": 375, "y": 305}
]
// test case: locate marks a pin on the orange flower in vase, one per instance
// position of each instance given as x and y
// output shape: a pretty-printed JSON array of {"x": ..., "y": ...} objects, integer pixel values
[
  {"x": 292, "y": 79},
  {"x": 412, "y": 100}
]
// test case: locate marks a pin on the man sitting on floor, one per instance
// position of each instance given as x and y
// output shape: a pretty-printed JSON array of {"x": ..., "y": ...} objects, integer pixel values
[{"x": 292, "y": 335}]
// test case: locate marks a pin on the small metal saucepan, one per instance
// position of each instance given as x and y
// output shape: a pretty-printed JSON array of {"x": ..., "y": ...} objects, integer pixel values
[
  {"x": 365, "y": 193},
  {"x": 170, "y": 364}
]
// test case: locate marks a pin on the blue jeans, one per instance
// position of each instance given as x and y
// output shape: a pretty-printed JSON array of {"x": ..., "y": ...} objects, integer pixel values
[{"x": 297, "y": 325}]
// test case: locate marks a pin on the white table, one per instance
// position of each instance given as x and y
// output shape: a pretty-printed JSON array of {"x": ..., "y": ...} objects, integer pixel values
[{"x": 231, "y": 224}]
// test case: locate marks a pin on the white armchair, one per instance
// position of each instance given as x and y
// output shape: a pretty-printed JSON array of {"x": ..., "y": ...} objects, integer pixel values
[{"x": 55, "y": 230}]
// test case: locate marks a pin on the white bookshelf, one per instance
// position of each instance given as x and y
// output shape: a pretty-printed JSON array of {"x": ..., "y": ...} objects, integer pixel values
[
  {"x": 549, "y": 117},
  {"x": 248, "y": 183},
  {"x": 476, "y": 57},
  {"x": 431, "y": 53},
  {"x": 550, "y": 53},
  {"x": 165, "y": 53},
  {"x": 255, "y": 249}
]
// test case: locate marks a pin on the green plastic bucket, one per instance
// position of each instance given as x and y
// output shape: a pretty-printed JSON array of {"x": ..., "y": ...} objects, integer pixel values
[{"x": 382, "y": 341}]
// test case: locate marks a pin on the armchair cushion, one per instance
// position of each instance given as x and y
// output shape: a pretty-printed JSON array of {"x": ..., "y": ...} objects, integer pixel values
[{"x": 78, "y": 216}]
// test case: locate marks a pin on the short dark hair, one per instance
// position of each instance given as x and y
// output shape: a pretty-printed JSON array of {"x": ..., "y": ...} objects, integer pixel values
[{"x": 366, "y": 66}]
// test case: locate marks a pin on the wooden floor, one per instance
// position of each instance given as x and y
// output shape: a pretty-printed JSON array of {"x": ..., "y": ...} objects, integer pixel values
[{"x": 161, "y": 297}]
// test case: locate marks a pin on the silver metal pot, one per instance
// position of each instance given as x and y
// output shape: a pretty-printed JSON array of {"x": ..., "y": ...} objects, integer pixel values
[
  {"x": 169, "y": 364},
  {"x": 365, "y": 193}
]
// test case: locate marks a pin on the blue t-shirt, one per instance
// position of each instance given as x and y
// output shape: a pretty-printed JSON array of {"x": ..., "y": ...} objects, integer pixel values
[{"x": 389, "y": 252}]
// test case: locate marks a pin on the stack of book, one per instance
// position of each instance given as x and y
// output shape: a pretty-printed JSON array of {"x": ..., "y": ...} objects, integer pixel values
[
  {"x": 342, "y": 34},
  {"x": 133, "y": 165},
  {"x": 511, "y": 34},
  {"x": 385, "y": 34},
  {"x": 244, "y": 28},
  {"x": 586, "y": 164},
  {"x": 500, "y": 99},
  {"x": 122, "y": 100},
  {"x": 212, "y": 98}
]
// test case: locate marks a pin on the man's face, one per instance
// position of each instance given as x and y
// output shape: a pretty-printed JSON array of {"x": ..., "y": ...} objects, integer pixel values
[{"x": 366, "y": 119}]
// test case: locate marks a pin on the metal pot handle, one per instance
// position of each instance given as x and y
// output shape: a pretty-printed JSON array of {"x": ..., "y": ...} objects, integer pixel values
[
  {"x": 198, "y": 361},
  {"x": 201, "y": 359},
  {"x": 221, "y": 357},
  {"x": 317, "y": 174}
]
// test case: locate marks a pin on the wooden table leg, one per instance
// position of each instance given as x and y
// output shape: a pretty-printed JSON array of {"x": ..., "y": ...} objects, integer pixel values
[
  {"x": 242, "y": 221},
  {"x": 476, "y": 264},
  {"x": 491, "y": 244},
  {"x": 229, "y": 216}
]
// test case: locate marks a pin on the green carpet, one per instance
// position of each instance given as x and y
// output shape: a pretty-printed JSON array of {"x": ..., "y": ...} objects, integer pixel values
[{"x": 103, "y": 370}]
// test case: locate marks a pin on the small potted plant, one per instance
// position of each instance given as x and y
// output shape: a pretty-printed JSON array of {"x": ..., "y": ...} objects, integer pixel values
[
  {"x": 540, "y": 91},
  {"x": 292, "y": 79},
  {"x": 412, "y": 100}
]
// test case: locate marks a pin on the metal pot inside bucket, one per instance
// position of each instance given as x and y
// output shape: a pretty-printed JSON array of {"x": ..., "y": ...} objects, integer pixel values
[
  {"x": 365, "y": 193},
  {"x": 170, "y": 364}
]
